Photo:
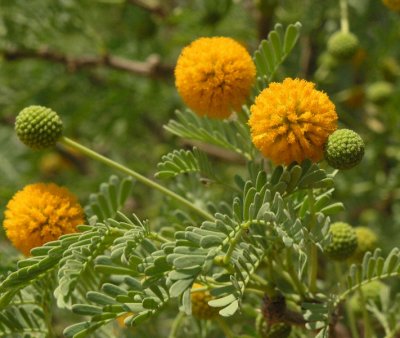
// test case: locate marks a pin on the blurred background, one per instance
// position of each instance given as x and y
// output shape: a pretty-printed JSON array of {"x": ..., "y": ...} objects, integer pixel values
[{"x": 106, "y": 66}]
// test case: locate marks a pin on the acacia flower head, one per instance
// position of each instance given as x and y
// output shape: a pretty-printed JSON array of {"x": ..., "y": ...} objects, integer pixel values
[
  {"x": 291, "y": 121},
  {"x": 214, "y": 75},
  {"x": 40, "y": 213},
  {"x": 200, "y": 307},
  {"x": 394, "y": 5}
]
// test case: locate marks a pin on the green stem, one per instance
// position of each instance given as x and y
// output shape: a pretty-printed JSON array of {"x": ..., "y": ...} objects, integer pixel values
[
  {"x": 176, "y": 324},
  {"x": 344, "y": 294},
  {"x": 259, "y": 325},
  {"x": 96, "y": 156},
  {"x": 225, "y": 328},
  {"x": 314, "y": 268},
  {"x": 313, "y": 251},
  {"x": 367, "y": 322},
  {"x": 259, "y": 279},
  {"x": 352, "y": 321},
  {"x": 344, "y": 16},
  {"x": 349, "y": 311},
  {"x": 233, "y": 242},
  {"x": 393, "y": 332},
  {"x": 293, "y": 275},
  {"x": 258, "y": 292},
  {"x": 158, "y": 237}
]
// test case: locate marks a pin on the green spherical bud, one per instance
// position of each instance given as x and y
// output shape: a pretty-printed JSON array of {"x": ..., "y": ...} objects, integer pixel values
[
  {"x": 280, "y": 330},
  {"x": 327, "y": 60},
  {"x": 38, "y": 127},
  {"x": 367, "y": 241},
  {"x": 343, "y": 45},
  {"x": 371, "y": 292},
  {"x": 344, "y": 149},
  {"x": 379, "y": 92},
  {"x": 343, "y": 241}
]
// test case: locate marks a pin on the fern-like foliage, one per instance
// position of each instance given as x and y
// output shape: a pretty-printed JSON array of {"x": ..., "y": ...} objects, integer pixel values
[
  {"x": 182, "y": 161},
  {"x": 231, "y": 135},
  {"x": 237, "y": 241},
  {"x": 290, "y": 179},
  {"x": 273, "y": 51},
  {"x": 388, "y": 314},
  {"x": 134, "y": 295},
  {"x": 374, "y": 266},
  {"x": 43, "y": 261},
  {"x": 76, "y": 268},
  {"x": 72, "y": 252},
  {"x": 318, "y": 316},
  {"x": 27, "y": 316},
  {"x": 110, "y": 198}
]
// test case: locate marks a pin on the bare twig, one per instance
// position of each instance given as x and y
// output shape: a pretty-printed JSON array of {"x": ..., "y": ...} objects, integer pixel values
[
  {"x": 152, "y": 8},
  {"x": 216, "y": 151},
  {"x": 152, "y": 67}
]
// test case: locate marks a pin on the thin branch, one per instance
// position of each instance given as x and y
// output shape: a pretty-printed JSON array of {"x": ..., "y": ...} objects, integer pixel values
[
  {"x": 152, "y": 67},
  {"x": 152, "y": 8},
  {"x": 215, "y": 151}
]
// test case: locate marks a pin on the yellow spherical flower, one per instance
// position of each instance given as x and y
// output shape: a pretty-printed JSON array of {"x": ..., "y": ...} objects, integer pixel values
[
  {"x": 394, "y": 5},
  {"x": 214, "y": 75},
  {"x": 291, "y": 121},
  {"x": 121, "y": 319},
  {"x": 40, "y": 213},
  {"x": 200, "y": 307}
]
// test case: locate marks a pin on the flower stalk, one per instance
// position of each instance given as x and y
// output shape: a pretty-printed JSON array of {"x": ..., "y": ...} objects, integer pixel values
[
  {"x": 313, "y": 252},
  {"x": 344, "y": 17},
  {"x": 96, "y": 156}
]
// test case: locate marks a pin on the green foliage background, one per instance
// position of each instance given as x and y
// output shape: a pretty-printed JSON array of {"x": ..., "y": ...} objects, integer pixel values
[{"x": 121, "y": 113}]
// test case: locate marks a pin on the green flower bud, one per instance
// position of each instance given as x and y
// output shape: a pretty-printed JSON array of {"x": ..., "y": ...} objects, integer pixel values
[
  {"x": 327, "y": 60},
  {"x": 343, "y": 241},
  {"x": 343, "y": 45},
  {"x": 367, "y": 241},
  {"x": 344, "y": 149},
  {"x": 280, "y": 330},
  {"x": 379, "y": 92},
  {"x": 38, "y": 127}
]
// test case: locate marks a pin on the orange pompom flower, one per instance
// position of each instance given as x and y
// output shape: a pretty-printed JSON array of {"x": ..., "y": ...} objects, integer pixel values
[
  {"x": 40, "y": 213},
  {"x": 200, "y": 307},
  {"x": 394, "y": 5},
  {"x": 291, "y": 121},
  {"x": 214, "y": 76}
]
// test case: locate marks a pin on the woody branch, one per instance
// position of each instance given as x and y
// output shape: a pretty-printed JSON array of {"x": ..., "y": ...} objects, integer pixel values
[{"x": 152, "y": 67}]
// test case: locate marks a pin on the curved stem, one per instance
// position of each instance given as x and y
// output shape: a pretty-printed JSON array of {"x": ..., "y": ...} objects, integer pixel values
[
  {"x": 176, "y": 324},
  {"x": 234, "y": 241},
  {"x": 225, "y": 328},
  {"x": 367, "y": 322},
  {"x": 313, "y": 251},
  {"x": 292, "y": 273},
  {"x": 158, "y": 237},
  {"x": 349, "y": 312},
  {"x": 96, "y": 156},
  {"x": 352, "y": 321},
  {"x": 344, "y": 16},
  {"x": 393, "y": 332}
]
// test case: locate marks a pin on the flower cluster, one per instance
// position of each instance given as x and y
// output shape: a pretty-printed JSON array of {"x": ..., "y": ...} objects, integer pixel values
[
  {"x": 200, "y": 307},
  {"x": 214, "y": 76},
  {"x": 291, "y": 121},
  {"x": 394, "y": 5},
  {"x": 40, "y": 213}
]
